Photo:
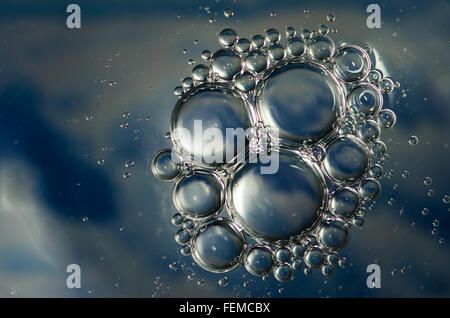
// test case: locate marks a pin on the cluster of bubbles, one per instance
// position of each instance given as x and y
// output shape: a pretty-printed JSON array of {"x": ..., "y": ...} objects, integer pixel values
[{"x": 326, "y": 101}]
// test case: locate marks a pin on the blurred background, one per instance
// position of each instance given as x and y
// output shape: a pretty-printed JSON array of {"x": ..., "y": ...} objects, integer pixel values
[{"x": 77, "y": 104}]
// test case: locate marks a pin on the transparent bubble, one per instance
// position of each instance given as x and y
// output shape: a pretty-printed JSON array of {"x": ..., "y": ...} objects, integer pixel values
[
  {"x": 210, "y": 106},
  {"x": 298, "y": 250},
  {"x": 246, "y": 82},
  {"x": 217, "y": 246},
  {"x": 272, "y": 36},
  {"x": 182, "y": 236},
  {"x": 314, "y": 257},
  {"x": 374, "y": 76},
  {"x": 257, "y": 41},
  {"x": 199, "y": 195},
  {"x": 295, "y": 47},
  {"x": 323, "y": 29},
  {"x": 283, "y": 272},
  {"x": 276, "y": 52},
  {"x": 352, "y": 63},
  {"x": 427, "y": 181},
  {"x": 290, "y": 32},
  {"x": 163, "y": 167},
  {"x": 369, "y": 131},
  {"x": 200, "y": 73},
  {"x": 387, "y": 118},
  {"x": 347, "y": 160},
  {"x": 413, "y": 140},
  {"x": 243, "y": 46},
  {"x": 370, "y": 189},
  {"x": 226, "y": 64},
  {"x": 378, "y": 148},
  {"x": 376, "y": 171},
  {"x": 327, "y": 270},
  {"x": 331, "y": 17},
  {"x": 228, "y": 13},
  {"x": 297, "y": 183},
  {"x": 333, "y": 234},
  {"x": 227, "y": 37},
  {"x": 302, "y": 100},
  {"x": 365, "y": 99},
  {"x": 206, "y": 55},
  {"x": 345, "y": 202},
  {"x": 256, "y": 62},
  {"x": 321, "y": 48},
  {"x": 177, "y": 219},
  {"x": 386, "y": 85},
  {"x": 259, "y": 260},
  {"x": 283, "y": 254}
]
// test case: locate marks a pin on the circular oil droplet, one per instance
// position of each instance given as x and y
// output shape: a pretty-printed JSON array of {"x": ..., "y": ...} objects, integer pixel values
[
  {"x": 283, "y": 273},
  {"x": 276, "y": 52},
  {"x": 259, "y": 260},
  {"x": 352, "y": 63},
  {"x": 163, "y": 167},
  {"x": 199, "y": 195},
  {"x": 217, "y": 246},
  {"x": 277, "y": 206},
  {"x": 242, "y": 46},
  {"x": 227, "y": 37},
  {"x": 257, "y": 41},
  {"x": 365, "y": 99},
  {"x": 246, "y": 82},
  {"x": 256, "y": 62},
  {"x": 301, "y": 99},
  {"x": 200, "y": 73},
  {"x": 283, "y": 254},
  {"x": 272, "y": 36},
  {"x": 387, "y": 118},
  {"x": 314, "y": 257},
  {"x": 295, "y": 47},
  {"x": 370, "y": 189},
  {"x": 413, "y": 140},
  {"x": 321, "y": 48},
  {"x": 345, "y": 202},
  {"x": 369, "y": 131},
  {"x": 226, "y": 64},
  {"x": 208, "y": 106},
  {"x": 347, "y": 160},
  {"x": 333, "y": 234}
]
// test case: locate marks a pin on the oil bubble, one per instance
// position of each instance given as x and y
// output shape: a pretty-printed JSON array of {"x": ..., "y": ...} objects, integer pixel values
[
  {"x": 163, "y": 167},
  {"x": 297, "y": 183},
  {"x": 345, "y": 202},
  {"x": 352, "y": 63},
  {"x": 226, "y": 64},
  {"x": 217, "y": 246},
  {"x": 347, "y": 160},
  {"x": 321, "y": 48},
  {"x": 283, "y": 272},
  {"x": 302, "y": 100},
  {"x": 259, "y": 260},
  {"x": 199, "y": 195},
  {"x": 365, "y": 99}
]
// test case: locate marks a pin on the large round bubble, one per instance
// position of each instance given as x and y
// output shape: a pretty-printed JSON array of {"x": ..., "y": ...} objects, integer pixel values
[
  {"x": 280, "y": 204},
  {"x": 202, "y": 114},
  {"x": 301, "y": 99}
]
